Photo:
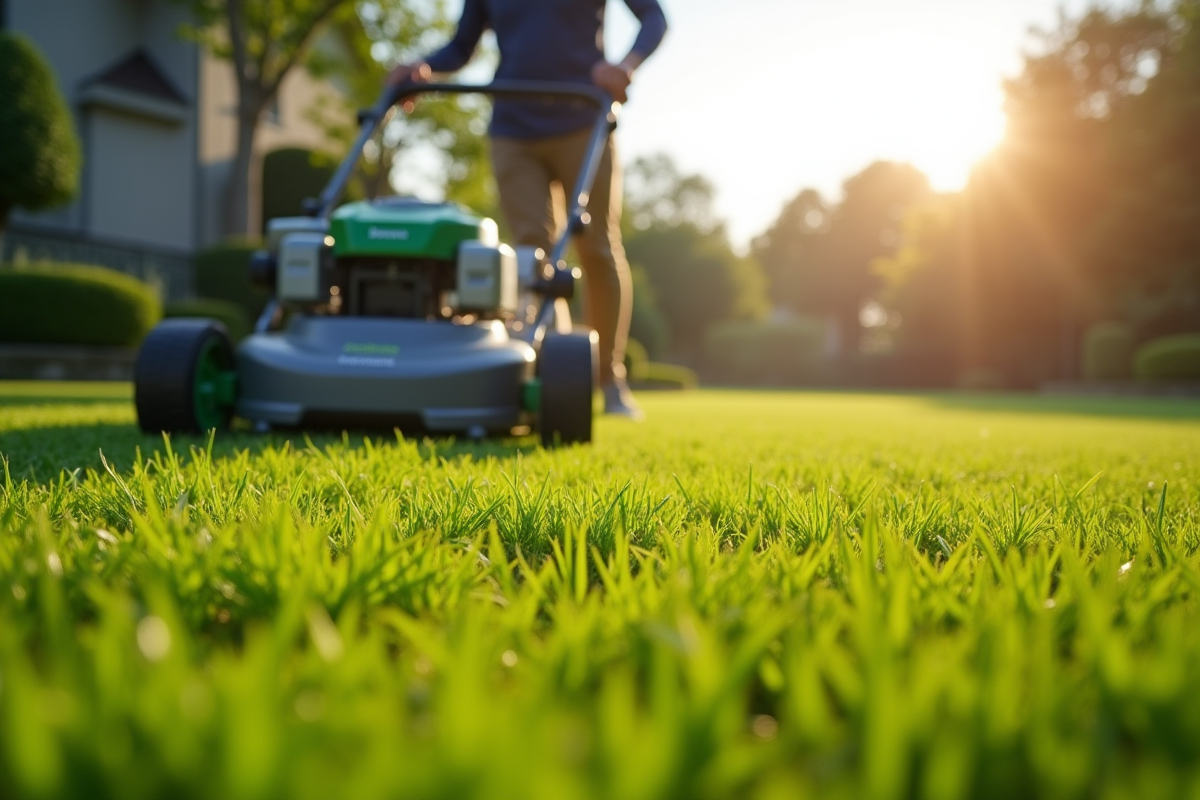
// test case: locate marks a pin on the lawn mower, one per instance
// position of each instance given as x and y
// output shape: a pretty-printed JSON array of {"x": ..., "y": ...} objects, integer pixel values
[{"x": 395, "y": 313}]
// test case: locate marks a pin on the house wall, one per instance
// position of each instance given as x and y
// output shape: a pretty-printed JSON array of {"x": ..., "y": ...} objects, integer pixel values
[
  {"x": 134, "y": 162},
  {"x": 289, "y": 125},
  {"x": 140, "y": 191},
  {"x": 152, "y": 181}
]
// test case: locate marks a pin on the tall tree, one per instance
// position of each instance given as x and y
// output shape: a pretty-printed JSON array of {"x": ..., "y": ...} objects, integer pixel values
[
  {"x": 265, "y": 40},
  {"x": 789, "y": 250},
  {"x": 443, "y": 131},
  {"x": 1144, "y": 249},
  {"x": 1031, "y": 206},
  {"x": 658, "y": 194},
  {"x": 1006, "y": 272},
  {"x": 679, "y": 242},
  {"x": 864, "y": 226},
  {"x": 40, "y": 156}
]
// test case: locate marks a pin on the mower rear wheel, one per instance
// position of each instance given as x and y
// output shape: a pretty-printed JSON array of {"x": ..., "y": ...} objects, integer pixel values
[
  {"x": 567, "y": 367},
  {"x": 184, "y": 378}
]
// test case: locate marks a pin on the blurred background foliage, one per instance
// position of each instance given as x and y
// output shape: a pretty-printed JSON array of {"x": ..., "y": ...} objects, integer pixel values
[
  {"x": 1084, "y": 220},
  {"x": 1074, "y": 246}
]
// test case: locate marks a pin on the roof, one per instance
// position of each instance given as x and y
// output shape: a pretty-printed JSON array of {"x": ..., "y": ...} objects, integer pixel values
[{"x": 139, "y": 74}]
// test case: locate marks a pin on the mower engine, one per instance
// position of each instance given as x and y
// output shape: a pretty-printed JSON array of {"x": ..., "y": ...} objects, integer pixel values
[{"x": 396, "y": 257}]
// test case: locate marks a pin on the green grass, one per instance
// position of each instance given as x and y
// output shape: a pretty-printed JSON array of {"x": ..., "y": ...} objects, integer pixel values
[{"x": 752, "y": 595}]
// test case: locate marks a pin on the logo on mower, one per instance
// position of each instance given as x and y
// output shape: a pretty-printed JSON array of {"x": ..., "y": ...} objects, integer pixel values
[
  {"x": 368, "y": 354},
  {"x": 370, "y": 349},
  {"x": 389, "y": 234}
]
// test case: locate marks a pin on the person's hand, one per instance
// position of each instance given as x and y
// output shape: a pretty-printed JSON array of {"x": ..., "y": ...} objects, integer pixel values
[
  {"x": 614, "y": 79},
  {"x": 409, "y": 73},
  {"x": 401, "y": 73}
]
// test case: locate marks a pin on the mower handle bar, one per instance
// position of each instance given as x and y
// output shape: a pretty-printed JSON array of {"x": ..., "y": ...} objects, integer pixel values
[
  {"x": 577, "y": 218},
  {"x": 606, "y": 122}
]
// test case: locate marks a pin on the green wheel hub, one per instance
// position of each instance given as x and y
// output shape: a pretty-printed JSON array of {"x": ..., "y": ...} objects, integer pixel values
[{"x": 215, "y": 386}]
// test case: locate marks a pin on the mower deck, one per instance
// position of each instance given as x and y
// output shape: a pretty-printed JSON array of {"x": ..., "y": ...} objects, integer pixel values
[{"x": 323, "y": 371}]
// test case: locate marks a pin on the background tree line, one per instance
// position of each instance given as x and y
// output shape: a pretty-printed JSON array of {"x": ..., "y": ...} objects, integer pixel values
[
  {"x": 1075, "y": 241},
  {"x": 1084, "y": 221},
  {"x": 1087, "y": 212}
]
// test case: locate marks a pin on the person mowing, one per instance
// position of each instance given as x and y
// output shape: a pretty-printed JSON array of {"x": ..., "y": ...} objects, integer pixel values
[{"x": 537, "y": 149}]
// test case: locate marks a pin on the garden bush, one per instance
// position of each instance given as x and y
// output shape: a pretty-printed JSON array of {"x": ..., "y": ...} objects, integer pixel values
[
  {"x": 1171, "y": 358},
  {"x": 40, "y": 156},
  {"x": 636, "y": 358},
  {"x": 1108, "y": 352},
  {"x": 647, "y": 322},
  {"x": 50, "y": 303},
  {"x": 655, "y": 375},
  {"x": 290, "y": 176},
  {"x": 646, "y": 374},
  {"x": 231, "y": 315},
  {"x": 911, "y": 365},
  {"x": 223, "y": 273},
  {"x": 764, "y": 353}
]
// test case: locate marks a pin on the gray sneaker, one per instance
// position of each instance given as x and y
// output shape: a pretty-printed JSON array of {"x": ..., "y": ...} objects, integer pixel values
[{"x": 618, "y": 401}]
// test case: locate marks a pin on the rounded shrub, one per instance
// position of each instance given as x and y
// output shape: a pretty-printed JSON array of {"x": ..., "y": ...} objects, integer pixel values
[
  {"x": 40, "y": 156},
  {"x": 45, "y": 303},
  {"x": 636, "y": 358},
  {"x": 666, "y": 376},
  {"x": 223, "y": 273},
  {"x": 1108, "y": 352},
  {"x": 647, "y": 323},
  {"x": 1171, "y": 358},
  {"x": 233, "y": 316},
  {"x": 771, "y": 353},
  {"x": 292, "y": 175}
]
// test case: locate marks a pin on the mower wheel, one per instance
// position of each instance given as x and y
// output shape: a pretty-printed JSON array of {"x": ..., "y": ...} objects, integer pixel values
[
  {"x": 184, "y": 379},
  {"x": 567, "y": 370}
]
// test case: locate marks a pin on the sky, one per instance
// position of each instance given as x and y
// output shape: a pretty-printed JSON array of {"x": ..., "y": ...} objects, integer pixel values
[{"x": 767, "y": 97}]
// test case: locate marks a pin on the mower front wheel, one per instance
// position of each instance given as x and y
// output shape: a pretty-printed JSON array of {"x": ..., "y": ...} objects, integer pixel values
[
  {"x": 184, "y": 378},
  {"x": 567, "y": 366}
]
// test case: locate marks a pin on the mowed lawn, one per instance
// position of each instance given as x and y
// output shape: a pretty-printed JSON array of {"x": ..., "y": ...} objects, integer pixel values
[{"x": 751, "y": 595}]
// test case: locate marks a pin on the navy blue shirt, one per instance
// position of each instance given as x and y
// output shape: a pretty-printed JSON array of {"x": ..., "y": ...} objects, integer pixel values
[{"x": 548, "y": 40}]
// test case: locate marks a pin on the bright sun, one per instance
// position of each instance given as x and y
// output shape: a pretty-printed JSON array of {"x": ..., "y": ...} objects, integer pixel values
[
  {"x": 951, "y": 138},
  {"x": 919, "y": 108}
]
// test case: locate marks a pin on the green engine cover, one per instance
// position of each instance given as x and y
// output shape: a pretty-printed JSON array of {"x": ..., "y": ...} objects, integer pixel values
[{"x": 394, "y": 226}]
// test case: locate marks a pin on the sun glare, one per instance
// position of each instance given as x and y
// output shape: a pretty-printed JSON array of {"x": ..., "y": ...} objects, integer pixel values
[
  {"x": 923, "y": 99},
  {"x": 808, "y": 94},
  {"x": 952, "y": 140}
]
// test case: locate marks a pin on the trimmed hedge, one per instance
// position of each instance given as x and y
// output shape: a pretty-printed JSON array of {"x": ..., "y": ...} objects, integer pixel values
[
  {"x": 1108, "y": 352},
  {"x": 223, "y": 273},
  {"x": 647, "y": 323},
  {"x": 765, "y": 353},
  {"x": 40, "y": 157},
  {"x": 49, "y": 303},
  {"x": 665, "y": 376},
  {"x": 292, "y": 175},
  {"x": 646, "y": 374},
  {"x": 231, "y": 315},
  {"x": 636, "y": 358},
  {"x": 1171, "y": 358}
]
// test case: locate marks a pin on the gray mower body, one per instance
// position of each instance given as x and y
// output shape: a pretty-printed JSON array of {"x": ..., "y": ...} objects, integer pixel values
[
  {"x": 329, "y": 371},
  {"x": 394, "y": 313}
]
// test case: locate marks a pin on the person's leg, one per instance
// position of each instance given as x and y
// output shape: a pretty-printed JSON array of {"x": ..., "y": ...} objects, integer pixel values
[
  {"x": 523, "y": 180},
  {"x": 530, "y": 200},
  {"x": 606, "y": 272}
]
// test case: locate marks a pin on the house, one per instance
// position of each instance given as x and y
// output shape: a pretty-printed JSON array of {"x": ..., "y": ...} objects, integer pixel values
[{"x": 155, "y": 115}]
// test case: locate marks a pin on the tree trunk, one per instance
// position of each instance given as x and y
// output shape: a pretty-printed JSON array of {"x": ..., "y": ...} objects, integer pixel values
[{"x": 245, "y": 183}]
